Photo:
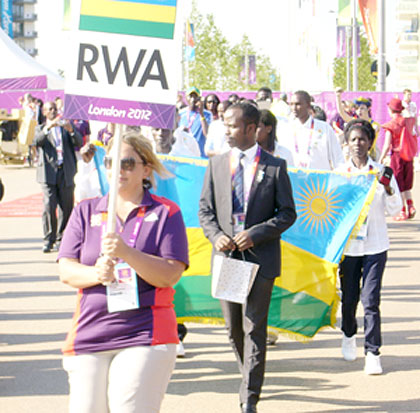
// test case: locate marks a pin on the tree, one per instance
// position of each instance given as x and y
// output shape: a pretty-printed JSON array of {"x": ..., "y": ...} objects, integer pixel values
[
  {"x": 217, "y": 64},
  {"x": 365, "y": 79}
]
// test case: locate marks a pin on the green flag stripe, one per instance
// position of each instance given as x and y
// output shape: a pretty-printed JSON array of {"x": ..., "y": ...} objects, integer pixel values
[
  {"x": 298, "y": 313},
  {"x": 126, "y": 26}
]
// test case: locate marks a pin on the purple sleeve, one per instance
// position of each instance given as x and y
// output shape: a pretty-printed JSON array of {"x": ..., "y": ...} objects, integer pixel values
[
  {"x": 72, "y": 241},
  {"x": 174, "y": 243}
]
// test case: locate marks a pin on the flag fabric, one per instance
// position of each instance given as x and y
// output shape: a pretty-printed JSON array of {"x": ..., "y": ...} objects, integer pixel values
[
  {"x": 150, "y": 18},
  {"x": 242, "y": 69},
  {"x": 341, "y": 41},
  {"x": 189, "y": 42},
  {"x": 330, "y": 206},
  {"x": 369, "y": 11},
  {"x": 251, "y": 76},
  {"x": 252, "y": 70}
]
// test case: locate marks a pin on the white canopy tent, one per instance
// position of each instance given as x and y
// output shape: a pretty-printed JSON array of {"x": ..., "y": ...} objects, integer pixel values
[{"x": 17, "y": 64}]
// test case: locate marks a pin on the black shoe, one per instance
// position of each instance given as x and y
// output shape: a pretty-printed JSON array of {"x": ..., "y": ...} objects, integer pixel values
[
  {"x": 47, "y": 248},
  {"x": 248, "y": 408}
]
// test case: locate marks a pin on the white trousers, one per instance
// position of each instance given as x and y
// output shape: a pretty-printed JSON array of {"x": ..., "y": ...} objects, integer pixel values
[{"x": 130, "y": 380}]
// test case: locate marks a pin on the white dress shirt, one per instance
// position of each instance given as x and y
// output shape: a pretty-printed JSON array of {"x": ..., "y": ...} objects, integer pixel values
[
  {"x": 284, "y": 153},
  {"x": 375, "y": 240},
  {"x": 313, "y": 144},
  {"x": 247, "y": 163},
  {"x": 216, "y": 139}
]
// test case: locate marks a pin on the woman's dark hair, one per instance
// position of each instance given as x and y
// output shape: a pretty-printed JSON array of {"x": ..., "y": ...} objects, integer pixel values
[
  {"x": 268, "y": 119},
  {"x": 360, "y": 124},
  {"x": 216, "y": 98},
  {"x": 319, "y": 113}
]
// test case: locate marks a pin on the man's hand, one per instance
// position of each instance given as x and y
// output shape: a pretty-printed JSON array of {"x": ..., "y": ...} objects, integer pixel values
[
  {"x": 200, "y": 107},
  {"x": 243, "y": 241},
  {"x": 105, "y": 270},
  {"x": 224, "y": 243},
  {"x": 87, "y": 151}
]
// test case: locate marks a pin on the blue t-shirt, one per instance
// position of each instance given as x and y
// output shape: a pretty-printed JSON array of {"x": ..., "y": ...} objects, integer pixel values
[{"x": 191, "y": 120}]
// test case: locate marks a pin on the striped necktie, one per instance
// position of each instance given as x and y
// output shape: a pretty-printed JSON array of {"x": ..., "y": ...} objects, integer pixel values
[{"x": 238, "y": 187}]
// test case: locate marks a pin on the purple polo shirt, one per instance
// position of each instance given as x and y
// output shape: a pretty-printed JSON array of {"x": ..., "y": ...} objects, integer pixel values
[
  {"x": 83, "y": 127},
  {"x": 163, "y": 234}
]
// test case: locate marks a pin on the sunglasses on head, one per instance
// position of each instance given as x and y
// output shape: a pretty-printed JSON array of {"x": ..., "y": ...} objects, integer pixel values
[{"x": 126, "y": 164}]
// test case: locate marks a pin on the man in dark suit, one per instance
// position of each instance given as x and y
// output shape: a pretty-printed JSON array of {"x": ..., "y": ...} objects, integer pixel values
[
  {"x": 247, "y": 217},
  {"x": 56, "y": 141}
]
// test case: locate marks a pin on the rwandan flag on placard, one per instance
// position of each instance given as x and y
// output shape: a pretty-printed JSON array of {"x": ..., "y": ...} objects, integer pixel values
[
  {"x": 150, "y": 18},
  {"x": 330, "y": 206}
]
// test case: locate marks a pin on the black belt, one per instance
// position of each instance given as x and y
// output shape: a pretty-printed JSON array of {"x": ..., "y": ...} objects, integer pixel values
[{"x": 60, "y": 166}]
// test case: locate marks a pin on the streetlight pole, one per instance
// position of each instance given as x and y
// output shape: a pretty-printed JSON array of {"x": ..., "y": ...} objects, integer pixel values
[
  {"x": 381, "y": 47},
  {"x": 355, "y": 34},
  {"x": 348, "y": 57}
]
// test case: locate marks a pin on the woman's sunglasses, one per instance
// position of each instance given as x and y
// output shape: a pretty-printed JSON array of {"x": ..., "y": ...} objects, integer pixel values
[{"x": 126, "y": 164}]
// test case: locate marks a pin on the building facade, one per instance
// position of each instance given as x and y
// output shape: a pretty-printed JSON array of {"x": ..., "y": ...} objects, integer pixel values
[{"x": 18, "y": 20}]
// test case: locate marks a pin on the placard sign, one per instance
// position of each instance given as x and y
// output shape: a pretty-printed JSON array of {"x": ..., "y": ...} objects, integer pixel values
[{"x": 124, "y": 62}]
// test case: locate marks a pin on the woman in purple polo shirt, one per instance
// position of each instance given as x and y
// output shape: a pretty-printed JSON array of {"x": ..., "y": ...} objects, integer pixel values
[{"x": 121, "y": 349}]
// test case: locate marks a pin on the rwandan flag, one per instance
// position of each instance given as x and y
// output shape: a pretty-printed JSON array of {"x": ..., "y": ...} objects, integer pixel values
[
  {"x": 189, "y": 42},
  {"x": 330, "y": 207},
  {"x": 151, "y": 18}
]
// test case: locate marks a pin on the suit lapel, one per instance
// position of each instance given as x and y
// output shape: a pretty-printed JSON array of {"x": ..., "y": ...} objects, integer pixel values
[
  {"x": 51, "y": 138},
  {"x": 259, "y": 175},
  {"x": 225, "y": 178}
]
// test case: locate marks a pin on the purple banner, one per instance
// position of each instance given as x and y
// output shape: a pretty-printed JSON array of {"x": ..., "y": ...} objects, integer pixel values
[
  {"x": 252, "y": 70},
  {"x": 10, "y": 99},
  {"x": 119, "y": 111},
  {"x": 341, "y": 41},
  {"x": 379, "y": 109},
  {"x": 32, "y": 82}
]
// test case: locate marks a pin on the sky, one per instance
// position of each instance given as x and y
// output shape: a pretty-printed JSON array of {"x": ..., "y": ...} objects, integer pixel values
[{"x": 261, "y": 21}]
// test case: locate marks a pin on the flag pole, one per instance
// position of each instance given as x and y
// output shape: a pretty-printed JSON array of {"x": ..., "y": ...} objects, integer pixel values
[
  {"x": 381, "y": 47},
  {"x": 115, "y": 174},
  {"x": 355, "y": 33},
  {"x": 187, "y": 69}
]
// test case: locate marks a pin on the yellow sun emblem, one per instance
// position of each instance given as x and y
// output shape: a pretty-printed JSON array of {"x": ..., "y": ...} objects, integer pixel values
[{"x": 317, "y": 206}]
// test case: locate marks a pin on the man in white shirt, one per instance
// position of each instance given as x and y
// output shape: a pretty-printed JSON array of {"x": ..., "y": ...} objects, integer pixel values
[
  {"x": 410, "y": 109},
  {"x": 312, "y": 142}
]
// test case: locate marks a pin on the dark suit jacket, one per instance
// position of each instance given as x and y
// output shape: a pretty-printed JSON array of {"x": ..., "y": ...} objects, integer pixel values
[
  {"x": 271, "y": 209},
  {"x": 47, "y": 155}
]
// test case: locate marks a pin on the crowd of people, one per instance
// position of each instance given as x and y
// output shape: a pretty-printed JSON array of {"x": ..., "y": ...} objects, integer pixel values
[{"x": 123, "y": 359}]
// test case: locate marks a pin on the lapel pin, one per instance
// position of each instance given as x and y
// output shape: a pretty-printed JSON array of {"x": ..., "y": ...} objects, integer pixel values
[{"x": 260, "y": 175}]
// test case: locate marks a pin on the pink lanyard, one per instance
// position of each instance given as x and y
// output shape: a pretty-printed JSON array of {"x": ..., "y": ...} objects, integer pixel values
[
  {"x": 191, "y": 121},
  {"x": 302, "y": 164},
  {"x": 137, "y": 225},
  {"x": 254, "y": 171}
]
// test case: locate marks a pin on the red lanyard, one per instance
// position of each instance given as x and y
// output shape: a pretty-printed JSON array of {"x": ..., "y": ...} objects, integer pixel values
[
  {"x": 137, "y": 225},
  {"x": 350, "y": 168},
  {"x": 302, "y": 164},
  {"x": 253, "y": 171}
]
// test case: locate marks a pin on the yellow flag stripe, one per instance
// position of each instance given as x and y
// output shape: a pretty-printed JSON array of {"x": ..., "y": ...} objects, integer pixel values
[
  {"x": 131, "y": 11},
  {"x": 305, "y": 272}
]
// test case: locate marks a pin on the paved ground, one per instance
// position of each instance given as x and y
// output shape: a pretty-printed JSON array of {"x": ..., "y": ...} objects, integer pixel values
[{"x": 35, "y": 313}]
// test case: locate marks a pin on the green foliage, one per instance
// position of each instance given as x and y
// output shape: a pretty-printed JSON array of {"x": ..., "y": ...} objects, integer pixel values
[
  {"x": 365, "y": 79},
  {"x": 217, "y": 62}
]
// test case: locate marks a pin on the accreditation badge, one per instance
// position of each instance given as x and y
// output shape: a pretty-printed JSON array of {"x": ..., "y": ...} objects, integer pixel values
[
  {"x": 122, "y": 294},
  {"x": 362, "y": 234},
  {"x": 238, "y": 223}
]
